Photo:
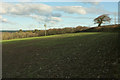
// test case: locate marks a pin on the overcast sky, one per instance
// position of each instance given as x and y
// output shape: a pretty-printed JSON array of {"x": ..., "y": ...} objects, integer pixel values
[{"x": 33, "y": 15}]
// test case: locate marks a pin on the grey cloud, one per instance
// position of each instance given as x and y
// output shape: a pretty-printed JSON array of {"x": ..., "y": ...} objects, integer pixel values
[
  {"x": 94, "y": 10},
  {"x": 56, "y": 15},
  {"x": 71, "y": 9},
  {"x": 25, "y": 9}
]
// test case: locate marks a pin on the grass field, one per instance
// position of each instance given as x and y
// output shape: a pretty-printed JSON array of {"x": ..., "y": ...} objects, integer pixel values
[{"x": 75, "y": 55}]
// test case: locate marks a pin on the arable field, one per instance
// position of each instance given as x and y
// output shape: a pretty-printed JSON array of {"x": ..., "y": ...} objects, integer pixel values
[{"x": 75, "y": 55}]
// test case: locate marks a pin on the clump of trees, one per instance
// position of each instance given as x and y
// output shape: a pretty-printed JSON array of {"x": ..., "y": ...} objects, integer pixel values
[
  {"x": 20, "y": 30},
  {"x": 14, "y": 35}
]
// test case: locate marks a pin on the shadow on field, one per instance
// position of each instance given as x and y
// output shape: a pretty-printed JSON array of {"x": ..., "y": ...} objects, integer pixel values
[{"x": 80, "y": 55}]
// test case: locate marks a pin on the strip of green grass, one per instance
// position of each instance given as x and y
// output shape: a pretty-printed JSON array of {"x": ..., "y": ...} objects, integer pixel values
[{"x": 51, "y": 36}]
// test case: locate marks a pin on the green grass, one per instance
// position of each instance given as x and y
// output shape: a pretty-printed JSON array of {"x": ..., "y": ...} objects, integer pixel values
[
  {"x": 75, "y": 55},
  {"x": 51, "y": 36}
]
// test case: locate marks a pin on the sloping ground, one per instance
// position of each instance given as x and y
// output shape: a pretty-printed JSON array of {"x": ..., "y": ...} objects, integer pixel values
[
  {"x": 78, "y": 55},
  {"x": 107, "y": 28}
]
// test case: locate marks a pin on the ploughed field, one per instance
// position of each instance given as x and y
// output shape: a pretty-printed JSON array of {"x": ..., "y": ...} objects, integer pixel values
[{"x": 75, "y": 55}]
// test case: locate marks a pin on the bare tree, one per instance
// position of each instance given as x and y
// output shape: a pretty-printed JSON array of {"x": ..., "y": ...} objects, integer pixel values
[{"x": 102, "y": 19}]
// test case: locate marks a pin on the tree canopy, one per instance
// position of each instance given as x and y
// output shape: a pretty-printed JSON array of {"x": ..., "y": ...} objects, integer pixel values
[{"x": 102, "y": 19}]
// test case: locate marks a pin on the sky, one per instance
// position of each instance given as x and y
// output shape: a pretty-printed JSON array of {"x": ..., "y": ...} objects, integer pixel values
[{"x": 30, "y": 15}]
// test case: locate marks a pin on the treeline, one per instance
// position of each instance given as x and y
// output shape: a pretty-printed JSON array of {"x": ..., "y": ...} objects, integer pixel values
[{"x": 37, "y": 33}]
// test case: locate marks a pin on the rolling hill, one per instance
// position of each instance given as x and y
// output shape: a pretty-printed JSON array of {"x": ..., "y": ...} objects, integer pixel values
[
  {"x": 74, "y": 55},
  {"x": 106, "y": 28}
]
